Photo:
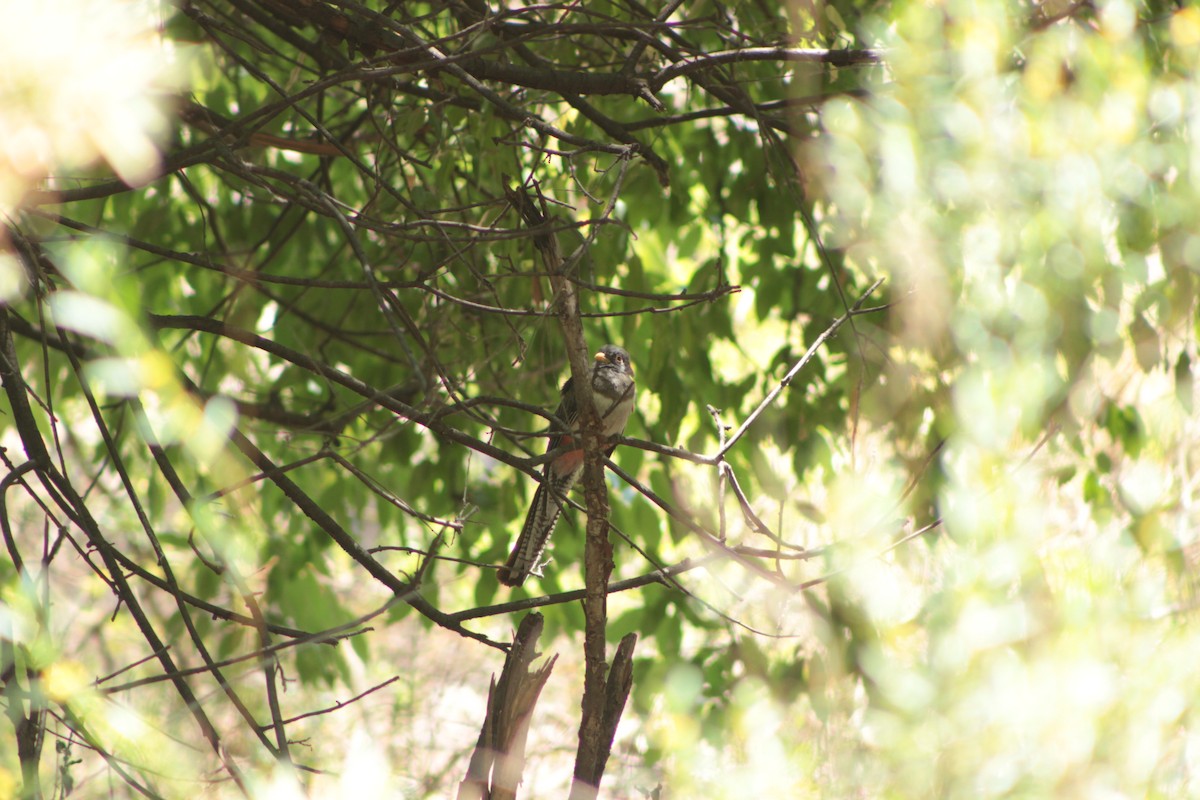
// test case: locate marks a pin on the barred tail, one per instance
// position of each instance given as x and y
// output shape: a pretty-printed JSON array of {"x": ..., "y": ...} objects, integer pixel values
[{"x": 539, "y": 524}]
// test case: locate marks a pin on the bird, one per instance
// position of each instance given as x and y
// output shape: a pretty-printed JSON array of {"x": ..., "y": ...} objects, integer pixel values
[{"x": 613, "y": 391}]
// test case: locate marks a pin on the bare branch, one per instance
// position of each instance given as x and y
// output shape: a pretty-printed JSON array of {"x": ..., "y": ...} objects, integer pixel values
[
  {"x": 495, "y": 768},
  {"x": 837, "y": 58},
  {"x": 791, "y": 374}
]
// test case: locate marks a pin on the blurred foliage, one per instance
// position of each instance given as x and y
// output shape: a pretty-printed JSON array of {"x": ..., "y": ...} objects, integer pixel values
[{"x": 993, "y": 471}]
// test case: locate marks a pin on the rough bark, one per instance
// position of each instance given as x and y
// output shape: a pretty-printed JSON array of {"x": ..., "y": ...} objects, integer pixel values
[{"x": 494, "y": 772}]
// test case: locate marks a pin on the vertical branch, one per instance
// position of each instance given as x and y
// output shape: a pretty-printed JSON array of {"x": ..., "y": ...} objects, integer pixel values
[
  {"x": 26, "y": 710},
  {"x": 596, "y": 718},
  {"x": 499, "y": 758},
  {"x": 616, "y": 692},
  {"x": 598, "y": 562}
]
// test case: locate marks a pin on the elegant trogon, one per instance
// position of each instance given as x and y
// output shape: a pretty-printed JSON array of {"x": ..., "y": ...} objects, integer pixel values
[{"x": 613, "y": 392}]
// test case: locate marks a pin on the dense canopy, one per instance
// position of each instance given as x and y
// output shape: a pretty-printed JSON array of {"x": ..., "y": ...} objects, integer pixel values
[{"x": 907, "y": 504}]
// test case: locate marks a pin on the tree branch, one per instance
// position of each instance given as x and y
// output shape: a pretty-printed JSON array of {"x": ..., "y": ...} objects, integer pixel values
[
  {"x": 598, "y": 565},
  {"x": 498, "y": 761},
  {"x": 837, "y": 58},
  {"x": 799, "y": 365},
  {"x": 74, "y": 506}
]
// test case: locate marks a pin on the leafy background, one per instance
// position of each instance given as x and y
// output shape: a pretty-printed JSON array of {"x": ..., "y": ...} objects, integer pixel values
[{"x": 992, "y": 472}]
